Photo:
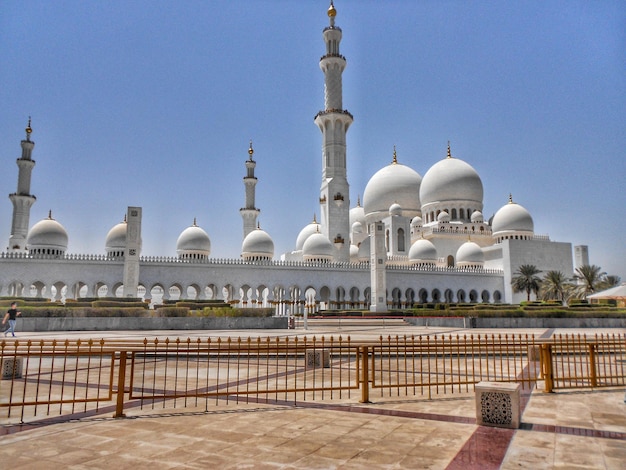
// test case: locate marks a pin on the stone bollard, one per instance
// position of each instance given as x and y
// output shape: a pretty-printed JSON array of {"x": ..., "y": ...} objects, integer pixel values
[
  {"x": 317, "y": 358},
  {"x": 12, "y": 368},
  {"x": 498, "y": 404}
]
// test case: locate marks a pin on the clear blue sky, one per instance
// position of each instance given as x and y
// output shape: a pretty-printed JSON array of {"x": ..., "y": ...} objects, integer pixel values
[{"x": 153, "y": 103}]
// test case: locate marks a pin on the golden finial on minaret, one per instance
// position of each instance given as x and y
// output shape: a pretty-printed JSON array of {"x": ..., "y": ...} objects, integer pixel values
[
  {"x": 331, "y": 10},
  {"x": 250, "y": 150},
  {"x": 395, "y": 156},
  {"x": 29, "y": 130},
  {"x": 449, "y": 152},
  {"x": 331, "y": 14}
]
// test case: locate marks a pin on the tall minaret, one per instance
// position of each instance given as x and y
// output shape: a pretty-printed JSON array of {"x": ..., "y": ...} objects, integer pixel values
[
  {"x": 249, "y": 213},
  {"x": 334, "y": 121},
  {"x": 22, "y": 199}
]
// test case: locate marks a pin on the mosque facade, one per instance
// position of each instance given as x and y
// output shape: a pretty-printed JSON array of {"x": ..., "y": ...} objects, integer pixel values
[{"x": 412, "y": 239}]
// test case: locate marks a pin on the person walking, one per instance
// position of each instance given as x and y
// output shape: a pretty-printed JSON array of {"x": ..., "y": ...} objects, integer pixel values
[{"x": 11, "y": 316}]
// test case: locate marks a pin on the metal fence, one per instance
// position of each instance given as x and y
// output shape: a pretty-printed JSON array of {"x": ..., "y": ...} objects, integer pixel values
[{"x": 73, "y": 378}]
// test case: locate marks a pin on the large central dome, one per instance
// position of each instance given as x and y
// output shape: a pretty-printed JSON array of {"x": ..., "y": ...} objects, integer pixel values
[
  {"x": 451, "y": 180},
  {"x": 394, "y": 183}
]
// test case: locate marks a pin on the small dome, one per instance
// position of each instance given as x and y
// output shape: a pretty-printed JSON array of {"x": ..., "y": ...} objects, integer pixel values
[
  {"x": 306, "y": 232},
  {"x": 423, "y": 251},
  {"x": 395, "y": 209},
  {"x": 317, "y": 247},
  {"x": 416, "y": 221},
  {"x": 116, "y": 238},
  {"x": 357, "y": 214},
  {"x": 477, "y": 217},
  {"x": 443, "y": 217},
  {"x": 364, "y": 250},
  {"x": 47, "y": 237},
  {"x": 470, "y": 254},
  {"x": 354, "y": 254},
  {"x": 257, "y": 245},
  {"x": 357, "y": 227},
  {"x": 394, "y": 183},
  {"x": 512, "y": 218},
  {"x": 193, "y": 242},
  {"x": 451, "y": 180}
]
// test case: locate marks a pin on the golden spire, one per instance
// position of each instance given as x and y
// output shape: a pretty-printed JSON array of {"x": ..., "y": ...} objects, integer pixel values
[
  {"x": 28, "y": 130},
  {"x": 50, "y": 215},
  {"x": 258, "y": 225},
  {"x": 395, "y": 156},
  {"x": 358, "y": 201},
  {"x": 510, "y": 198},
  {"x": 314, "y": 219},
  {"x": 250, "y": 150},
  {"x": 194, "y": 222},
  {"x": 449, "y": 152},
  {"x": 125, "y": 221},
  {"x": 331, "y": 10}
]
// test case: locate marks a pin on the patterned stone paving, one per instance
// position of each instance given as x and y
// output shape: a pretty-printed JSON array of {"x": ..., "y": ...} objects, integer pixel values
[{"x": 568, "y": 429}]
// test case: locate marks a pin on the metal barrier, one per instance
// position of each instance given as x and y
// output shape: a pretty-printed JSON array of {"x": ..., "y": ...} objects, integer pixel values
[
  {"x": 80, "y": 378},
  {"x": 578, "y": 361}
]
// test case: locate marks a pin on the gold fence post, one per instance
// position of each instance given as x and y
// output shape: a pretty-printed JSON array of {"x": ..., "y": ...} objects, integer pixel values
[
  {"x": 121, "y": 381},
  {"x": 365, "y": 382},
  {"x": 546, "y": 366},
  {"x": 592, "y": 365}
]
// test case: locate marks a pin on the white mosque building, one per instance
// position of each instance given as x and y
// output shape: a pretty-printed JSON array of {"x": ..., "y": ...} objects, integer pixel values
[{"x": 412, "y": 239}]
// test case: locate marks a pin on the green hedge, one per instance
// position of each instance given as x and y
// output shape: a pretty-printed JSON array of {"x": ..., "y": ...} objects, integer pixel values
[
  {"x": 236, "y": 312},
  {"x": 115, "y": 303},
  {"x": 81, "y": 312},
  {"x": 170, "y": 312}
]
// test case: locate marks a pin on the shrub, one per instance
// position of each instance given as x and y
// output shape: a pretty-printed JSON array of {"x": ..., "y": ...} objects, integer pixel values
[
  {"x": 170, "y": 312},
  {"x": 82, "y": 312},
  {"x": 118, "y": 303},
  {"x": 237, "y": 312}
]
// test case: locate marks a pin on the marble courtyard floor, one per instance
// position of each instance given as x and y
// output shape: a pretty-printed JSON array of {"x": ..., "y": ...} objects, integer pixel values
[{"x": 580, "y": 428}]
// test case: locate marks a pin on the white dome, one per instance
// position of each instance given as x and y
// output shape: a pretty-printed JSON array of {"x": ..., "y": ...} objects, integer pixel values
[
  {"x": 416, "y": 221},
  {"x": 395, "y": 209},
  {"x": 357, "y": 227},
  {"x": 357, "y": 214},
  {"x": 306, "y": 232},
  {"x": 512, "y": 218},
  {"x": 116, "y": 238},
  {"x": 443, "y": 217},
  {"x": 354, "y": 254},
  {"x": 470, "y": 254},
  {"x": 394, "y": 183},
  {"x": 422, "y": 251},
  {"x": 317, "y": 248},
  {"x": 47, "y": 234},
  {"x": 193, "y": 240},
  {"x": 451, "y": 180},
  {"x": 257, "y": 245},
  {"x": 477, "y": 217},
  {"x": 364, "y": 250}
]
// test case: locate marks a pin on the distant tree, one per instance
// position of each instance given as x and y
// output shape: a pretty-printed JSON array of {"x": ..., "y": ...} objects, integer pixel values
[
  {"x": 526, "y": 280},
  {"x": 589, "y": 279},
  {"x": 555, "y": 286},
  {"x": 609, "y": 281}
]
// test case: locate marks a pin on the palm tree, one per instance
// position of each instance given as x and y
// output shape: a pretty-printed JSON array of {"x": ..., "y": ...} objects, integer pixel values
[
  {"x": 555, "y": 286},
  {"x": 589, "y": 278},
  {"x": 526, "y": 280},
  {"x": 609, "y": 281}
]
